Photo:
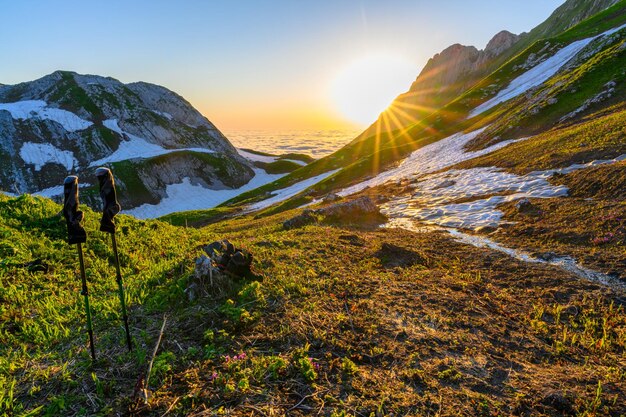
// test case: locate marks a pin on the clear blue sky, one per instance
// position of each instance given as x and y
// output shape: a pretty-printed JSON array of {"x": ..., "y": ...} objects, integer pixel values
[{"x": 245, "y": 64}]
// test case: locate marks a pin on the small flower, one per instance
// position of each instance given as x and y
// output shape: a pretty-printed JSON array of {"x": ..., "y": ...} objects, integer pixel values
[{"x": 213, "y": 376}]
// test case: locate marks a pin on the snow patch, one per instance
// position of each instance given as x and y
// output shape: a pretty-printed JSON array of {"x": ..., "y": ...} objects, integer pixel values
[
  {"x": 135, "y": 147},
  {"x": 186, "y": 196},
  {"x": 40, "y": 154},
  {"x": 288, "y": 192},
  {"x": 540, "y": 73},
  {"x": 58, "y": 190},
  {"x": 256, "y": 157},
  {"x": 32, "y": 109},
  {"x": 430, "y": 158},
  {"x": 432, "y": 201}
]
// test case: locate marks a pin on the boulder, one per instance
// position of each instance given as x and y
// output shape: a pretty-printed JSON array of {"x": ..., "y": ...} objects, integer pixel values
[
  {"x": 524, "y": 206},
  {"x": 307, "y": 217},
  {"x": 332, "y": 197},
  {"x": 361, "y": 210},
  {"x": 354, "y": 210}
]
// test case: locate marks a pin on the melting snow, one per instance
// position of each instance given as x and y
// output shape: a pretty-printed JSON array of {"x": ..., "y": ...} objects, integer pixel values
[
  {"x": 186, "y": 196},
  {"x": 430, "y": 158},
  {"x": 432, "y": 200},
  {"x": 256, "y": 157},
  {"x": 40, "y": 154},
  {"x": 540, "y": 73},
  {"x": 30, "y": 109},
  {"x": 57, "y": 190},
  {"x": 136, "y": 147},
  {"x": 288, "y": 192}
]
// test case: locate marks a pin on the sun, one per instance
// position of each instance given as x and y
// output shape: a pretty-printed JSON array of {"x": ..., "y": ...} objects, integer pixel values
[{"x": 367, "y": 86}]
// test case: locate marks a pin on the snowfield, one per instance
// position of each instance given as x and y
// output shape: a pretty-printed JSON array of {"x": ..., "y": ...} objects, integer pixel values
[
  {"x": 288, "y": 192},
  {"x": 40, "y": 154},
  {"x": 432, "y": 201},
  {"x": 430, "y": 158},
  {"x": 136, "y": 147},
  {"x": 186, "y": 196},
  {"x": 540, "y": 73},
  {"x": 32, "y": 109}
]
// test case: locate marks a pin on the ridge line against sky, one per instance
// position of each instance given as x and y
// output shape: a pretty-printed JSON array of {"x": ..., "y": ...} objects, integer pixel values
[{"x": 247, "y": 64}]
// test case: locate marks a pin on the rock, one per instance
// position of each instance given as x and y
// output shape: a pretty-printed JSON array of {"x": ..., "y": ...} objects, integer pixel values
[
  {"x": 360, "y": 210},
  {"x": 219, "y": 247},
  {"x": 331, "y": 198},
  {"x": 355, "y": 210},
  {"x": 546, "y": 256},
  {"x": 485, "y": 229},
  {"x": 203, "y": 267},
  {"x": 240, "y": 263},
  {"x": 392, "y": 256},
  {"x": 214, "y": 273},
  {"x": 557, "y": 400},
  {"x": 444, "y": 184},
  {"x": 524, "y": 206},
  {"x": 300, "y": 220}
]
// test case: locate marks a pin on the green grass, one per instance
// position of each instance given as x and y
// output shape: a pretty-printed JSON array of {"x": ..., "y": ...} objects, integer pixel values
[
  {"x": 43, "y": 357},
  {"x": 330, "y": 317},
  {"x": 598, "y": 136},
  {"x": 196, "y": 217},
  {"x": 278, "y": 167}
]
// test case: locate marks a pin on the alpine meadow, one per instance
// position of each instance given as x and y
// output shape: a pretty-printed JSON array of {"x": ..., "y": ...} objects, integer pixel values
[{"x": 463, "y": 255}]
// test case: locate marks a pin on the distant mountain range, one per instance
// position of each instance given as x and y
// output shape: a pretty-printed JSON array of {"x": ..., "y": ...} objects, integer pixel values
[{"x": 70, "y": 123}]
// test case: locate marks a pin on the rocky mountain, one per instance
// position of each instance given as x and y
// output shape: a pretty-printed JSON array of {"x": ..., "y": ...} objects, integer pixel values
[
  {"x": 458, "y": 67},
  {"x": 150, "y": 136}
]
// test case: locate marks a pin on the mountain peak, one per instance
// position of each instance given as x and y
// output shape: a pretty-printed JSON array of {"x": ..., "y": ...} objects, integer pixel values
[{"x": 502, "y": 41}]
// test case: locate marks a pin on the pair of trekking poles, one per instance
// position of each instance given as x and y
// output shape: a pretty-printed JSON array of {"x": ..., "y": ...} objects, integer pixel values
[{"x": 77, "y": 235}]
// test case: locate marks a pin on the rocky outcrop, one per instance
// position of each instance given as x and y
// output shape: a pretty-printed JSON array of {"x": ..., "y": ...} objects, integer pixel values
[
  {"x": 361, "y": 210},
  {"x": 149, "y": 136},
  {"x": 444, "y": 77}
]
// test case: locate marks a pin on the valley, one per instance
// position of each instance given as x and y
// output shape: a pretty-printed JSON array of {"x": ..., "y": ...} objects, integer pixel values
[{"x": 463, "y": 255}]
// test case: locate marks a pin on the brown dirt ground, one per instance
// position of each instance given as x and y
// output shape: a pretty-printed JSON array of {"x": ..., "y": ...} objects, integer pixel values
[{"x": 431, "y": 326}]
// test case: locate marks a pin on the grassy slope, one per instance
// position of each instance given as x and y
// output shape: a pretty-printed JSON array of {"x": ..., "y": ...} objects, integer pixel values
[
  {"x": 44, "y": 364},
  {"x": 598, "y": 136},
  {"x": 347, "y": 321}
]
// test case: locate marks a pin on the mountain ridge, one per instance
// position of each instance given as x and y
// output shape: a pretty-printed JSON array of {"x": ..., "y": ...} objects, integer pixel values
[{"x": 65, "y": 122}]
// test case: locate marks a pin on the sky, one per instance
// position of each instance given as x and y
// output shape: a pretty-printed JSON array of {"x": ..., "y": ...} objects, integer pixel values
[{"x": 252, "y": 64}]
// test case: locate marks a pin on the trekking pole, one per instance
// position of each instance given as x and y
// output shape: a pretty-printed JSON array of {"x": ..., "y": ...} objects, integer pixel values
[
  {"x": 110, "y": 207},
  {"x": 76, "y": 234}
]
